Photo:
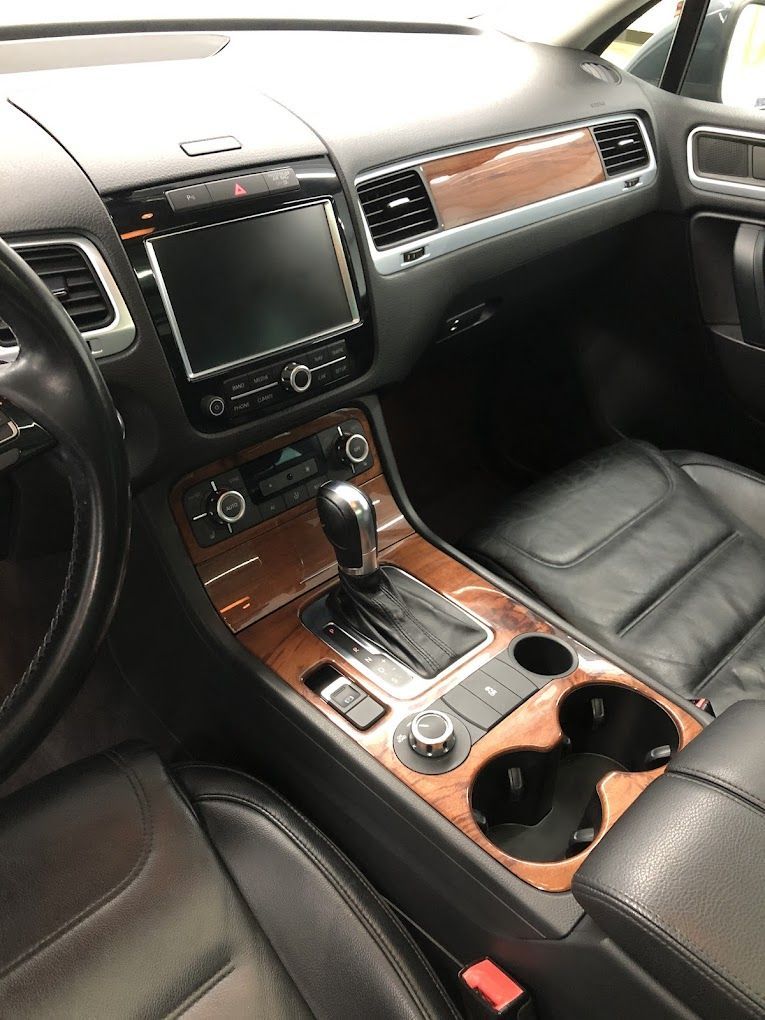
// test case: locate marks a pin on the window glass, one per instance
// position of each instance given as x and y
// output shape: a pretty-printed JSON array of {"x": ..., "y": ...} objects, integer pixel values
[
  {"x": 643, "y": 46},
  {"x": 743, "y": 77}
]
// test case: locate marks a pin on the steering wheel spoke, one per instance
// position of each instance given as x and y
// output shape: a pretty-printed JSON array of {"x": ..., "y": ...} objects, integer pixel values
[{"x": 21, "y": 438}]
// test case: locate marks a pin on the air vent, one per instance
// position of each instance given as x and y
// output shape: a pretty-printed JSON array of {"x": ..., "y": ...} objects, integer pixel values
[
  {"x": 397, "y": 208},
  {"x": 67, "y": 273},
  {"x": 602, "y": 72},
  {"x": 621, "y": 146}
]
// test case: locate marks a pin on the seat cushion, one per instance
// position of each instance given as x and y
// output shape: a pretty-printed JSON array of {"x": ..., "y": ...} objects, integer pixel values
[
  {"x": 118, "y": 899},
  {"x": 660, "y": 557}
]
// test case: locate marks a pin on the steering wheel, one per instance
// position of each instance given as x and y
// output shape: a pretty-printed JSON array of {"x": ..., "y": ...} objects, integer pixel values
[{"x": 54, "y": 387}]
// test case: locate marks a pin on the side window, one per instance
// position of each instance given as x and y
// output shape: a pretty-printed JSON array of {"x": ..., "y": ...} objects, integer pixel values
[
  {"x": 728, "y": 64},
  {"x": 642, "y": 48},
  {"x": 743, "y": 74}
]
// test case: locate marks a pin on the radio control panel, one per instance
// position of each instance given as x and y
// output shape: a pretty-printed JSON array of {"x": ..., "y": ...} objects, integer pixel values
[{"x": 279, "y": 383}]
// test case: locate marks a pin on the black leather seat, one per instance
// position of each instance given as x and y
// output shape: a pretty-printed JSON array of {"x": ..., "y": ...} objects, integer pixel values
[
  {"x": 126, "y": 891},
  {"x": 660, "y": 556}
]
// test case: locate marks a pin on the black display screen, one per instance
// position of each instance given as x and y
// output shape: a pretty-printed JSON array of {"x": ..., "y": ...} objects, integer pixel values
[{"x": 239, "y": 290}]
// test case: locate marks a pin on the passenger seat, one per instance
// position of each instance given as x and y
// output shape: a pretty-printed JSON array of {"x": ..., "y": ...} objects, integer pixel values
[{"x": 659, "y": 556}]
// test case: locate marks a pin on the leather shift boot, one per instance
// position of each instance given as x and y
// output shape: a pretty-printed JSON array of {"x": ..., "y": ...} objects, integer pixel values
[{"x": 413, "y": 624}]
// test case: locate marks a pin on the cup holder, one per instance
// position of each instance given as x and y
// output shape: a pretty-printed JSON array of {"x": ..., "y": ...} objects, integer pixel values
[
  {"x": 543, "y": 805},
  {"x": 543, "y": 656}
]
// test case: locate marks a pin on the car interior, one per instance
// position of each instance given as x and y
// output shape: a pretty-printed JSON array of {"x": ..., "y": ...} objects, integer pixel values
[{"x": 382, "y": 511}]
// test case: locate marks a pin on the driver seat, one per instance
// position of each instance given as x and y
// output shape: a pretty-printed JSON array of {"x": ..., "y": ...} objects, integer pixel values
[{"x": 127, "y": 890}]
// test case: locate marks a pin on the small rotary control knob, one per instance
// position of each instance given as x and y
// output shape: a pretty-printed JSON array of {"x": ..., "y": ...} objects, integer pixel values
[
  {"x": 296, "y": 377},
  {"x": 353, "y": 449},
  {"x": 431, "y": 734},
  {"x": 229, "y": 507}
]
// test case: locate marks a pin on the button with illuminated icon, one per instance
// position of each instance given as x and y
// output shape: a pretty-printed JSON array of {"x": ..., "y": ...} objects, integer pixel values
[
  {"x": 196, "y": 196},
  {"x": 237, "y": 188}
]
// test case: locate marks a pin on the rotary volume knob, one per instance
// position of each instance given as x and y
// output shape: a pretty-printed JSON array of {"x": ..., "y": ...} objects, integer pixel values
[
  {"x": 296, "y": 377},
  {"x": 431, "y": 734}
]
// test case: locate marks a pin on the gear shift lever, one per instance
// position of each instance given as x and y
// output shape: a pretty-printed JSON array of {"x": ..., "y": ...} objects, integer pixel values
[
  {"x": 350, "y": 524},
  {"x": 393, "y": 611}
]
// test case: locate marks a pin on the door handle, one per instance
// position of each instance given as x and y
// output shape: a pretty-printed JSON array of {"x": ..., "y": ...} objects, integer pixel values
[{"x": 749, "y": 281}]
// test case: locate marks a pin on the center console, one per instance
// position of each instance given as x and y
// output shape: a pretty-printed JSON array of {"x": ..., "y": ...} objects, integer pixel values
[
  {"x": 525, "y": 740},
  {"x": 255, "y": 286}
]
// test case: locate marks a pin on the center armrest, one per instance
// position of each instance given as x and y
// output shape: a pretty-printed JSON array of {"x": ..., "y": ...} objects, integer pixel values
[{"x": 678, "y": 881}]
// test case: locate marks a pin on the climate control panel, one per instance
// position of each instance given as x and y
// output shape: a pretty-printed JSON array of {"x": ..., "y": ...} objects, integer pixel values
[{"x": 236, "y": 500}]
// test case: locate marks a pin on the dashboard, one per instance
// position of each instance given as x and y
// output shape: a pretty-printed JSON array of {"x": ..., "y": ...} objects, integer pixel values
[{"x": 274, "y": 220}]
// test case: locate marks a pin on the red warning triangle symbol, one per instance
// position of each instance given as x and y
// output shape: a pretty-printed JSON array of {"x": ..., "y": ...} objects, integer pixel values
[{"x": 239, "y": 190}]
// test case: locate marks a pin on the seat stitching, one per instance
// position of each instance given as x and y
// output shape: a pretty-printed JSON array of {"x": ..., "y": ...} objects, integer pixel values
[
  {"x": 739, "y": 792},
  {"x": 358, "y": 875},
  {"x": 679, "y": 944},
  {"x": 372, "y": 929},
  {"x": 609, "y": 538},
  {"x": 147, "y": 837},
  {"x": 347, "y": 862},
  {"x": 729, "y": 655},
  {"x": 200, "y": 991},
  {"x": 703, "y": 562}
]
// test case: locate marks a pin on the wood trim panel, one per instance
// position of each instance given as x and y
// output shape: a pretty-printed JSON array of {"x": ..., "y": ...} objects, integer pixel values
[
  {"x": 282, "y": 642},
  {"x": 473, "y": 185}
]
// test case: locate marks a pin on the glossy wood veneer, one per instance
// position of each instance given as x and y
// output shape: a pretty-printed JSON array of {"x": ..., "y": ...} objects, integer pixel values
[
  {"x": 292, "y": 651},
  {"x": 484, "y": 182}
]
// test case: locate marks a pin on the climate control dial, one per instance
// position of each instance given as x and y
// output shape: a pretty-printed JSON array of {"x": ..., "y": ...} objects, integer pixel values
[
  {"x": 229, "y": 507},
  {"x": 353, "y": 449}
]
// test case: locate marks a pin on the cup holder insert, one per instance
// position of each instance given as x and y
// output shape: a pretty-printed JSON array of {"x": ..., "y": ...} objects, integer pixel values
[
  {"x": 543, "y": 805},
  {"x": 543, "y": 655}
]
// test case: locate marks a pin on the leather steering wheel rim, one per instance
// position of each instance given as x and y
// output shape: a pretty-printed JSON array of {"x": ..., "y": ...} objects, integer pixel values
[{"x": 55, "y": 380}]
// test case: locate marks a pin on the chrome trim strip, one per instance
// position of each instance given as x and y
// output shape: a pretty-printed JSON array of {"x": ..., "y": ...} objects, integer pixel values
[
  {"x": 718, "y": 184},
  {"x": 345, "y": 275},
  {"x": 316, "y": 616},
  {"x": 119, "y": 334},
  {"x": 442, "y": 242}
]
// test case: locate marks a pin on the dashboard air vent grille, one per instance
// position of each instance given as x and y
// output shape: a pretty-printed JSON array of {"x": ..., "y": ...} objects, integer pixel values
[
  {"x": 397, "y": 208},
  {"x": 602, "y": 72},
  {"x": 67, "y": 273},
  {"x": 622, "y": 147}
]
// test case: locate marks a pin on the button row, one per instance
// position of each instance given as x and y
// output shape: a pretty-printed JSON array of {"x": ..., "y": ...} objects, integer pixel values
[
  {"x": 232, "y": 189},
  {"x": 487, "y": 696},
  {"x": 260, "y": 388},
  {"x": 350, "y": 701}
]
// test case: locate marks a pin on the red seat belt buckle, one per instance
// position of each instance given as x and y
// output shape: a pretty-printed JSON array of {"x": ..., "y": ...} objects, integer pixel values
[{"x": 497, "y": 993}]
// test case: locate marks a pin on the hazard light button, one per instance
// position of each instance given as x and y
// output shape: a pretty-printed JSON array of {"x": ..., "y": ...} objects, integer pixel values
[{"x": 238, "y": 189}]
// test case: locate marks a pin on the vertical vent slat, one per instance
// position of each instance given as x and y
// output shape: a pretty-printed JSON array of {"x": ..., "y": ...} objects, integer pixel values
[
  {"x": 622, "y": 147},
  {"x": 397, "y": 208},
  {"x": 68, "y": 274}
]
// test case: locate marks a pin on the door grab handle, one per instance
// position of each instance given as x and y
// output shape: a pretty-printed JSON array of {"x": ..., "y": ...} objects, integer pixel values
[{"x": 749, "y": 281}]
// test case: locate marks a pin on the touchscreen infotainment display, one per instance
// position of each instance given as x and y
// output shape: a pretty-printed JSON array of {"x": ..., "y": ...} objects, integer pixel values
[{"x": 238, "y": 290}]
